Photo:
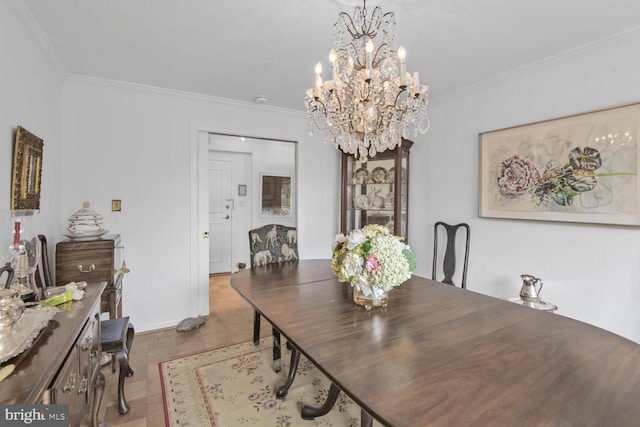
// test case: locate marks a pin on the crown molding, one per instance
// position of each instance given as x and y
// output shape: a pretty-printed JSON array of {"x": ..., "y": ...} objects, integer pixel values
[
  {"x": 32, "y": 27},
  {"x": 179, "y": 93}
]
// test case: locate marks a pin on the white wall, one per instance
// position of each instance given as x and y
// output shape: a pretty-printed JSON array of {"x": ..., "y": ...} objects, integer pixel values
[
  {"x": 133, "y": 143},
  {"x": 31, "y": 95},
  {"x": 592, "y": 272}
]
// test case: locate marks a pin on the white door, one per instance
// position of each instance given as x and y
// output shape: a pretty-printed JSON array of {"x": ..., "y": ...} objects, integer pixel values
[{"x": 220, "y": 216}]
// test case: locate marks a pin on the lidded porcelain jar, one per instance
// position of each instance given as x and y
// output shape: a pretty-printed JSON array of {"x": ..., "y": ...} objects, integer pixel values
[{"x": 85, "y": 221}]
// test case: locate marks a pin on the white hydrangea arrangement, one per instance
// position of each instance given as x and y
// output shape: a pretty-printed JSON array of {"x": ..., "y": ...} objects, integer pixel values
[{"x": 372, "y": 259}]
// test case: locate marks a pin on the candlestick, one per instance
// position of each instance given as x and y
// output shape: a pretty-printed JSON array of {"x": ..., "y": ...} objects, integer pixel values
[{"x": 16, "y": 236}]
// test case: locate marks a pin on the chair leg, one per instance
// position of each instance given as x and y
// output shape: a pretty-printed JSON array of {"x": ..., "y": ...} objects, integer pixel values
[
  {"x": 130, "y": 333},
  {"x": 123, "y": 360},
  {"x": 256, "y": 327}
]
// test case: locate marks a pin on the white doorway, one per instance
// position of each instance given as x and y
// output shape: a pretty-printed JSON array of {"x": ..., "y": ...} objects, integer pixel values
[
  {"x": 220, "y": 216},
  {"x": 229, "y": 179},
  {"x": 251, "y": 158}
]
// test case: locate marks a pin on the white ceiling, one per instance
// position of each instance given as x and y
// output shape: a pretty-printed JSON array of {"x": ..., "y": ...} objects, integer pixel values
[{"x": 240, "y": 49}]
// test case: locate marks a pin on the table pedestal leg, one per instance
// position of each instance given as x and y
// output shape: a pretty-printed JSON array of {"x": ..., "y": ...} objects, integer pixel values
[
  {"x": 365, "y": 419},
  {"x": 310, "y": 412},
  {"x": 293, "y": 368},
  {"x": 276, "y": 350}
]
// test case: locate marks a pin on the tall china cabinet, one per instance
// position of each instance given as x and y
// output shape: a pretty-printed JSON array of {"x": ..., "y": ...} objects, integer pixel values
[{"x": 376, "y": 191}]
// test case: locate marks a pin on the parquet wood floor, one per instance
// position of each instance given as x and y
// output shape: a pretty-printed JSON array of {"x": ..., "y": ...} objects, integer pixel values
[{"x": 230, "y": 322}]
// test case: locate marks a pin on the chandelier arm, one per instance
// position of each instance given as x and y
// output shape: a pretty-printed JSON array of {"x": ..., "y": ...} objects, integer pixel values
[
  {"x": 323, "y": 110},
  {"x": 375, "y": 63},
  {"x": 339, "y": 101},
  {"x": 359, "y": 65},
  {"x": 402, "y": 89},
  {"x": 386, "y": 18},
  {"x": 355, "y": 34},
  {"x": 368, "y": 30}
]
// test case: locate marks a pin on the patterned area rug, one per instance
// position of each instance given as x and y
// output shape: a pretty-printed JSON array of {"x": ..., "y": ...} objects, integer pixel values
[{"x": 235, "y": 386}]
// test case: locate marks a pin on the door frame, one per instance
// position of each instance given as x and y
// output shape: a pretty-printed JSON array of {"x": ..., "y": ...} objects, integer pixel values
[
  {"x": 199, "y": 215},
  {"x": 199, "y": 222}
]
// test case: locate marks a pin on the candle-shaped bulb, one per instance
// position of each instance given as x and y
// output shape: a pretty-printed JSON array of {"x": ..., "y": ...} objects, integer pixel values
[
  {"x": 416, "y": 82},
  {"x": 333, "y": 56},
  {"x": 368, "y": 47},
  {"x": 402, "y": 54},
  {"x": 318, "y": 68}
]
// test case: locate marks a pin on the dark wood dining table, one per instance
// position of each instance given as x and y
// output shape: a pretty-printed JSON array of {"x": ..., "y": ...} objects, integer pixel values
[{"x": 438, "y": 355}]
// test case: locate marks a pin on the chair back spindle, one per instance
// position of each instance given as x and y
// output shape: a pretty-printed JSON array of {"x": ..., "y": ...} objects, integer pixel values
[{"x": 449, "y": 259}]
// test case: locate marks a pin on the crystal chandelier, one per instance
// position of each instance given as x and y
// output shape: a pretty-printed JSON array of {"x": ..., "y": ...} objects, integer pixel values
[{"x": 370, "y": 102}]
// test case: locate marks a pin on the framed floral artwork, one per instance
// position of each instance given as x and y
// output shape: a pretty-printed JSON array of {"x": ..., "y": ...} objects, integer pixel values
[{"x": 580, "y": 168}]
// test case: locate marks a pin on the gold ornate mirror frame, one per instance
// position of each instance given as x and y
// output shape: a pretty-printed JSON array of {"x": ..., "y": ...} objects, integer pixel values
[{"x": 27, "y": 170}]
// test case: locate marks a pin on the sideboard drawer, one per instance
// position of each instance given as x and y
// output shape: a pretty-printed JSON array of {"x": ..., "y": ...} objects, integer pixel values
[
  {"x": 93, "y": 261},
  {"x": 88, "y": 266},
  {"x": 65, "y": 388}
]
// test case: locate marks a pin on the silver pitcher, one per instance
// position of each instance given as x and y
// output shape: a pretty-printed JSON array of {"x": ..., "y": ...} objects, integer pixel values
[{"x": 531, "y": 288}]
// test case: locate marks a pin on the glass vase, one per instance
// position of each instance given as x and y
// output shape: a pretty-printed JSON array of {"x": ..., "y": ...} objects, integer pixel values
[
  {"x": 370, "y": 297},
  {"x": 20, "y": 250}
]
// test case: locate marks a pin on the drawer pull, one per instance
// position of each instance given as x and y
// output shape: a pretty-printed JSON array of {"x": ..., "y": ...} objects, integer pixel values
[
  {"x": 87, "y": 343},
  {"x": 89, "y": 270},
  {"x": 71, "y": 383},
  {"x": 83, "y": 385}
]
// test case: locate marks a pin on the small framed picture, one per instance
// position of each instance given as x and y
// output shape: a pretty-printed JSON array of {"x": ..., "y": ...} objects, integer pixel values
[{"x": 242, "y": 189}]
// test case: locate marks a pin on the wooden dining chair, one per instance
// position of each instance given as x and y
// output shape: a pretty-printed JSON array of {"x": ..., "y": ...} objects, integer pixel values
[
  {"x": 7, "y": 272},
  {"x": 271, "y": 244},
  {"x": 43, "y": 273},
  {"x": 447, "y": 258}
]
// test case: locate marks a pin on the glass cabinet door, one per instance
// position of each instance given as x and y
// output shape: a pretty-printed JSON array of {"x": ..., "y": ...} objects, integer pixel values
[{"x": 375, "y": 192}]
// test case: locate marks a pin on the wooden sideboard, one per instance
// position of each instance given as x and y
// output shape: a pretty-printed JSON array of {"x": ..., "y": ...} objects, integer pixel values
[
  {"x": 63, "y": 365},
  {"x": 93, "y": 261}
]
